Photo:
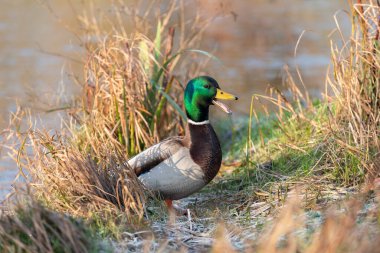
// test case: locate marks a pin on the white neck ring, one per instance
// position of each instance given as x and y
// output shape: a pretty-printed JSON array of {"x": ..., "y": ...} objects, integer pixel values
[{"x": 198, "y": 123}]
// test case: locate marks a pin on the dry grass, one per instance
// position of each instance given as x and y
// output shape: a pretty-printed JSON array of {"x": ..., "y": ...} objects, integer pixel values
[
  {"x": 30, "y": 227},
  {"x": 339, "y": 232},
  {"x": 346, "y": 227},
  {"x": 80, "y": 183},
  {"x": 357, "y": 86}
]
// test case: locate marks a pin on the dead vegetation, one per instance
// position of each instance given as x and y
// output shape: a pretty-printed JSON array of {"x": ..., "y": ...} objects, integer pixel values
[
  {"x": 357, "y": 86},
  {"x": 30, "y": 227},
  {"x": 348, "y": 226},
  {"x": 68, "y": 180}
]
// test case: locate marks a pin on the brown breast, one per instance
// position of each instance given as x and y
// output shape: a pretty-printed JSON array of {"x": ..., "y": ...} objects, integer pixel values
[{"x": 204, "y": 149}]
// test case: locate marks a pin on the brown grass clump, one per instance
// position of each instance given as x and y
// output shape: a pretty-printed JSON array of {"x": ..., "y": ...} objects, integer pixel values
[
  {"x": 30, "y": 227},
  {"x": 72, "y": 181},
  {"x": 357, "y": 86}
]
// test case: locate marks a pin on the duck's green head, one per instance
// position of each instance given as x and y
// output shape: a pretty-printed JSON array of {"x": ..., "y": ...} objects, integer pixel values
[{"x": 200, "y": 93}]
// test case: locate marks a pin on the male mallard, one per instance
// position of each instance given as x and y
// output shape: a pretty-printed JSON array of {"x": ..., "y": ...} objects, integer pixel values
[{"x": 180, "y": 166}]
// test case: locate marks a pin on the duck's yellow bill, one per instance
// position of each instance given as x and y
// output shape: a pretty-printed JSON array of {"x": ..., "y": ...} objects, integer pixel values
[{"x": 224, "y": 95}]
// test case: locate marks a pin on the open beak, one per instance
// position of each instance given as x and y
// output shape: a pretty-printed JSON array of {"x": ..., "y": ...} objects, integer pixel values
[{"x": 222, "y": 95}]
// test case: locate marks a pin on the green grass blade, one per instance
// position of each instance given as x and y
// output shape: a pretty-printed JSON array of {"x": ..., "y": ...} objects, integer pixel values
[
  {"x": 157, "y": 47},
  {"x": 118, "y": 118},
  {"x": 172, "y": 102},
  {"x": 126, "y": 138}
]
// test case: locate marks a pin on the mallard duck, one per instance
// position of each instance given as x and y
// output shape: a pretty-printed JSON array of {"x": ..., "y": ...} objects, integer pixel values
[{"x": 180, "y": 166}]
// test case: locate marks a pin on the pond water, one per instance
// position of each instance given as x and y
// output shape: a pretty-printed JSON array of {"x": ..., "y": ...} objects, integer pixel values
[{"x": 254, "y": 39}]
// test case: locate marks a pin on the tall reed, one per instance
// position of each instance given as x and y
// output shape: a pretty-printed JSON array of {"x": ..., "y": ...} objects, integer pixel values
[{"x": 356, "y": 86}]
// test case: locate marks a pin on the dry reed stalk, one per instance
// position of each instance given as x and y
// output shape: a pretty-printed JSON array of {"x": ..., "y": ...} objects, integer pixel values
[
  {"x": 222, "y": 242},
  {"x": 356, "y": 85}
]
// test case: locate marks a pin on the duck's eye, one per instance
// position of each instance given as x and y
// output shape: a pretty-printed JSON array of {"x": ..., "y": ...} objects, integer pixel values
[{"x": 207, "y": 86}]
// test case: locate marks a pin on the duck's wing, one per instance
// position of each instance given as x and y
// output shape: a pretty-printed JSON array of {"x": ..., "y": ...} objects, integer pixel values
[
  {"x": 176, "y": 177},
  {"x": 151, "y": 157}
]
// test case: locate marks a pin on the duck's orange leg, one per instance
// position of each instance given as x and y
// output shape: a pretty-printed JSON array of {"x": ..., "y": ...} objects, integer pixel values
[
  {"x": 174, "y": 208},
  {"x": 169, "y": 203}
]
